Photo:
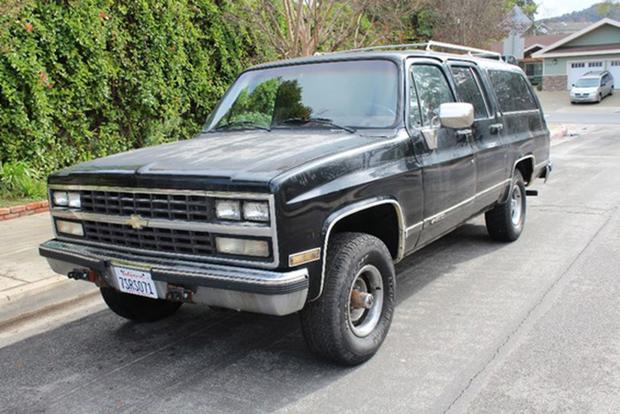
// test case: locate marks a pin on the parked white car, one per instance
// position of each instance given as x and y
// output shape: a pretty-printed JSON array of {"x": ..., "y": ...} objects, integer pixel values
[{"x": 592, "y": 87}]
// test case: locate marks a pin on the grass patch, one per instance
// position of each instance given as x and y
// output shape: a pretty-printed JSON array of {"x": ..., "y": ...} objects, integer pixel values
[{"x": 11, "y": 202}]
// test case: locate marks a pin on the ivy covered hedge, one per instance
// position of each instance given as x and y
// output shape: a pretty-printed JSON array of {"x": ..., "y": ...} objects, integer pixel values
[{"x": 87, "y": 78}]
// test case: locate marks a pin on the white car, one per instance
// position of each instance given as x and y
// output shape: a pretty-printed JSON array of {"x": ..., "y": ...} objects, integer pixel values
[{"x": 592, "y": 87}]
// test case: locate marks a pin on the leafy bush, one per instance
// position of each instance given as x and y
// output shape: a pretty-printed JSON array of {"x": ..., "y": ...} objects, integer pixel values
[
  {"x": 84, "y": 79},
  {"x": 17, "y": 180}
]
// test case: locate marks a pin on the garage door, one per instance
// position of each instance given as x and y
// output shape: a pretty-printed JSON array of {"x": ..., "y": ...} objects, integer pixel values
[
  {"x": 613, "y": 67},
  {"x": 576, "y": 69}
]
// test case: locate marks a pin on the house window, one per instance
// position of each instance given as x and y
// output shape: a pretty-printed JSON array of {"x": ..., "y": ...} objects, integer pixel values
[
  {"x": 578, "y": 65},
  {"x": 595, "y": 64},
  {"x": 615, "y": 63}
]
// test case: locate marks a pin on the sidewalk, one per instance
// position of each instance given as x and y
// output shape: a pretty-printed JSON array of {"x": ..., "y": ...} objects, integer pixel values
[{"x": 27, "y": 284}]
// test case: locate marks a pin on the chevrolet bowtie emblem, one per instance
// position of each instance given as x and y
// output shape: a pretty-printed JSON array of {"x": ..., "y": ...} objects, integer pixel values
[{"x": 137, "y": 222}]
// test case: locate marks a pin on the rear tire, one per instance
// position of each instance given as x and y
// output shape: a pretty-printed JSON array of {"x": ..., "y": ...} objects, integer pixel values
[
  {"x": 138, "y": 308},
  {"x": 337, "y": 326},
  {"x": 505, "y": 222}
]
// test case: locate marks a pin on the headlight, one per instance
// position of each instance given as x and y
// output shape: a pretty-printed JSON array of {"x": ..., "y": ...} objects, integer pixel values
[
  {"x": 255, "y": 211},
  {"x": 242, "y": 247},
  {"x": 66, "y": 199},
  {"x": 74, "y": 200},
  {"x": 61, "y": 198},
  {"x": 228, "y": 209},
  {"x": 69, "y": 227}
]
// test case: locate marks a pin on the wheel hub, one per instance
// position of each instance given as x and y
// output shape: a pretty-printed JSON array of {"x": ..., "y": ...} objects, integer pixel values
[{"x": 365, "y": 301}]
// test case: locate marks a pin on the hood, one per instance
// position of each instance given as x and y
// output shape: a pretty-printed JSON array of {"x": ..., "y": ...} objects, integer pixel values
[
  {"x": 576, "y": 89},
  {"x": 254, "y": 156}
]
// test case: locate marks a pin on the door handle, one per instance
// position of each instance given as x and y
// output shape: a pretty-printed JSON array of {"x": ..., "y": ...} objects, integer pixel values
[{"x": 496, "y": 128}]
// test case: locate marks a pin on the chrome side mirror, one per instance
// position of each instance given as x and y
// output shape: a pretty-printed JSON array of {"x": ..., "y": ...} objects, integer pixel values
[{"x": 456, "y": 115}]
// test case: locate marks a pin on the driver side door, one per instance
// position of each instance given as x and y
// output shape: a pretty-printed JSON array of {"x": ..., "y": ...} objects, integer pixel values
[{"x": 449, "y": 170}]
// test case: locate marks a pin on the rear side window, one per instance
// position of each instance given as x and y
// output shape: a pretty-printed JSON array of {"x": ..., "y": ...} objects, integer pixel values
[
  {"x": 468, "y": 90},
  {"x": 512, "y": 90}
]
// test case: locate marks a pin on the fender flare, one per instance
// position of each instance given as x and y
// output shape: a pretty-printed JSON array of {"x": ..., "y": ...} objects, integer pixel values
[{"x": 351, "y": 209}]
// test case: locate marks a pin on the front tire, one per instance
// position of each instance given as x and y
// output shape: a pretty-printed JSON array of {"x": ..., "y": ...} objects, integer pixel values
[
  {"x": 138, "y": 308},
  {"x": 349, "y": 321},
  {"x": 505, "y": 221}
]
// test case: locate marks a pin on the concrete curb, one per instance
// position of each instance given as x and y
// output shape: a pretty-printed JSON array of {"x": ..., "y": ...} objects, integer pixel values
[
  {"x": 557, "y": 132},
  {"x": 28, "y": 301}
]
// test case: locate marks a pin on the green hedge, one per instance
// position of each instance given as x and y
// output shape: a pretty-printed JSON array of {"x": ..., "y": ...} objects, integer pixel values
[{"x": 83, "y": 79}]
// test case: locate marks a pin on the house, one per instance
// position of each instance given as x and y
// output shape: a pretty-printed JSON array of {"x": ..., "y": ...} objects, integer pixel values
[
  {"x": 594, "y": 48},
  {"x": 531, "y": 44}
]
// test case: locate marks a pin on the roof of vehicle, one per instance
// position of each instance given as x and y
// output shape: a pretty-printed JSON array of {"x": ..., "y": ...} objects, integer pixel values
[
  {"x": 394, "y": 55},
  {"x": 594, "y": 74}
]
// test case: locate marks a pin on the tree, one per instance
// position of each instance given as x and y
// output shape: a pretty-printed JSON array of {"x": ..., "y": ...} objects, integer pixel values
[
  {"x": 469, "y": 22},
  {"x": 608, "y": 8},
  {"x": 303, "y": 27},
  {"x": 529, "y": 7}
]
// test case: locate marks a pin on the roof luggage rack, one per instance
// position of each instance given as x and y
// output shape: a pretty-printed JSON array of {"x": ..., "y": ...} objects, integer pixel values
[{"x": 432, "y": 46}]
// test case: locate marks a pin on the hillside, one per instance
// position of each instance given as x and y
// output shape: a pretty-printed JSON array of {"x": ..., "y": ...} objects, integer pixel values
[{"x": 591, "y": 14}]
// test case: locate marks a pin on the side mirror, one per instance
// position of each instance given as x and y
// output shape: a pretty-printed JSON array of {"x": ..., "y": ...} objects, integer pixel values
[{"x": 456, "y": 115}]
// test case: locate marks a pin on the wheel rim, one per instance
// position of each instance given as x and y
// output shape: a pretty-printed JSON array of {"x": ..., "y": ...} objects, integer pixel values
[
  {"x": 365, "y": 301},
  {"x": 516, "y": 205}
]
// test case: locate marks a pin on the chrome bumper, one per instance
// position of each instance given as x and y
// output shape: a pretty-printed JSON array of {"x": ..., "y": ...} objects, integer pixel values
[{"x": 252, "y": 290}]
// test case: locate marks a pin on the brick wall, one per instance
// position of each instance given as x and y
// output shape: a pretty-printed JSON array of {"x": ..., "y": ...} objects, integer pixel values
[
  {"x": 8, "y": 213},
  {"x": 554, "y": 83}
]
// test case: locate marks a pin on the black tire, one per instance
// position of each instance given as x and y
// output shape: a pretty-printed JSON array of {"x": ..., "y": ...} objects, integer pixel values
[
  {"x": 138, "y": 308},
  {"x": 327, "y": 323},
  {"x": 505, "y": 222}
]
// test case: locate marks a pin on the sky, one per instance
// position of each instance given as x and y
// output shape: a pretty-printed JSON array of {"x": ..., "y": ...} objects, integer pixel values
[{"x": 552, "y": 8}]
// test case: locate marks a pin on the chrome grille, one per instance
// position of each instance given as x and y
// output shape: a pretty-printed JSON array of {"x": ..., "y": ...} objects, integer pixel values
[
  {"x": 173, "y": 222},
  {"x": 149, "y": 205},
  {"x": 162, "y": 240}
]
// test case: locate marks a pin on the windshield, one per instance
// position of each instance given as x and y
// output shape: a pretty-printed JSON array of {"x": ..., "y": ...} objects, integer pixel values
[
  {"x": 587, "y": 83},
  {"x": 345, "y": 95}
]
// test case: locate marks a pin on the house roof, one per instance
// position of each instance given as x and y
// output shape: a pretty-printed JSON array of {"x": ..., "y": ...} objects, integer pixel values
[
  {"x": 559, "y": 48},
  {"x": 529, "y": 42}
]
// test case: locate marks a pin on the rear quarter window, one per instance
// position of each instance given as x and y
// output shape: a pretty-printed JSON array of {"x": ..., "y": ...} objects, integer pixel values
[{"x": 513, "y": 92}]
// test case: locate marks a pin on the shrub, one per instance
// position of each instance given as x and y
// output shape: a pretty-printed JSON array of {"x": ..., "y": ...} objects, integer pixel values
[
  {"x": 17, "y": 181},
  {"x": 83, "y": 79}
]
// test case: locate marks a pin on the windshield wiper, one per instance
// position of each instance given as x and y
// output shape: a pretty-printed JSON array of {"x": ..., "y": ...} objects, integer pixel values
[
  {"x": 241, "y": 125},
  {"x": 317, "y": 120}
]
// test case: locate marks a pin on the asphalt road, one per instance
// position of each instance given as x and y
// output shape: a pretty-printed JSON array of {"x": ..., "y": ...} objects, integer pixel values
[{"x": 481, "y": 327}]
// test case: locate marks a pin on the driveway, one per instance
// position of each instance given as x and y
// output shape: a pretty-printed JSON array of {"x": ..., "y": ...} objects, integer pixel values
[
  {"x": 558, "y": 109},
  {"x": 480, "y": 326}
]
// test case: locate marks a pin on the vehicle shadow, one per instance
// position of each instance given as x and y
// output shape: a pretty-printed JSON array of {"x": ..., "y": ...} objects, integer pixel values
[{"x": 199, "y": 359}]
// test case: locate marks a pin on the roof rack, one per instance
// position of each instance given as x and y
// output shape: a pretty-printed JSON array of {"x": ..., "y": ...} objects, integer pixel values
[{"x": 431, "y": 46}]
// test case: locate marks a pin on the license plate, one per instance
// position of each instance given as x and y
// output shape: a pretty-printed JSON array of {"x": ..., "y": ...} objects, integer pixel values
[{"x": 136, "y": 282}]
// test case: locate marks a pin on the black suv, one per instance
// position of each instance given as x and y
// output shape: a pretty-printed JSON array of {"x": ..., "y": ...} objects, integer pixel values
[{"x": 313, "y": 176}]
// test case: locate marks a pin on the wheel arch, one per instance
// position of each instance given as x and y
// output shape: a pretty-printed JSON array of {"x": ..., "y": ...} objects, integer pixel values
[
  {"x": 343, "y": 220},
  {"x": 525, "y": 165}
]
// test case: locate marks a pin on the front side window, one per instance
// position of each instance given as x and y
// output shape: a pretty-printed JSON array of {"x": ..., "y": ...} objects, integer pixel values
[
  {"x": 432, "y": 90},
  {"x": 468, "y": 90},
  {"x": 512, "y": 90},
  {"x": 353, "y": 94}
]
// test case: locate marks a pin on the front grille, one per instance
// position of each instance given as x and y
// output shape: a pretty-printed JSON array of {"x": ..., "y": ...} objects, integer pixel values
[
  {"x": 149, "y": 205},
  {"x": 149, "y": 238}
]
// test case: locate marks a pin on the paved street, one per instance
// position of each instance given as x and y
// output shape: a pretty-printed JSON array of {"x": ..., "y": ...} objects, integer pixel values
[{"x": 481, "y": 327}]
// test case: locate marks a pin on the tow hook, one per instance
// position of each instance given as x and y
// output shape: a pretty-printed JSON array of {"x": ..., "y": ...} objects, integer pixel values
[
  {"x": 179, "y": 294},
  {"x": 84, "y": 274}
]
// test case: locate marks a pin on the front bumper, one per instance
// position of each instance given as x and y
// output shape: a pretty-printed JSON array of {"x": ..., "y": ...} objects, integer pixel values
[
  {"x": 593, "y": 98},
  {"x": 252, "y": 290}
]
